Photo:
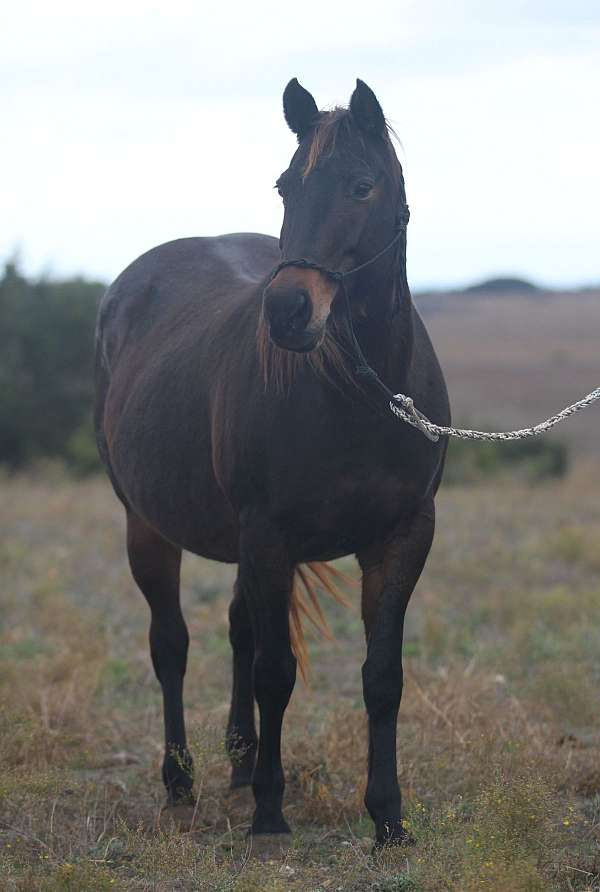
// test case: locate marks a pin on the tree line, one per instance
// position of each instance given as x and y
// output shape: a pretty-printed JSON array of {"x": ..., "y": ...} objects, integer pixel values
[{"x": 46, "y": 369}]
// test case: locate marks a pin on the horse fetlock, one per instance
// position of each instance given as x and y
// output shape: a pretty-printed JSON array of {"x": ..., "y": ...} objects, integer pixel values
[
  {"x": 392, "y": 833},
  {"x": 239, "y": 741},
  {"x": 242, "y": 755},
  {"x": 178, "y": 775},
  {"x": 383, "y": 803},
  {"x": 268, "y": 820}
]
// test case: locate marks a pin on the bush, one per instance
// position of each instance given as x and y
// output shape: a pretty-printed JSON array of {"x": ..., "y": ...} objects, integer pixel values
[
  {"x": 532, "y": 460},
  {"x": 46, "y": 382}
]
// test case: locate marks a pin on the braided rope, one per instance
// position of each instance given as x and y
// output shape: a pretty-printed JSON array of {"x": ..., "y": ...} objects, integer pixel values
[{"x": 407, "y": 411}]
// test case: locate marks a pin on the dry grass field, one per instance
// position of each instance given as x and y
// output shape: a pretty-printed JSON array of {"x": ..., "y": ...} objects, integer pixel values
[
  {"x": 500, "y": 724},
  {"x": 499, "y": 735}
]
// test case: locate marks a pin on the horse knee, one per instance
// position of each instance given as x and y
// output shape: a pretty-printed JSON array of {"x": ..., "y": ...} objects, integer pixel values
[
  {"x": 169, "y": 643},
  {"x": 274, "y": 677},
  {"x": 382, "y": 687}
]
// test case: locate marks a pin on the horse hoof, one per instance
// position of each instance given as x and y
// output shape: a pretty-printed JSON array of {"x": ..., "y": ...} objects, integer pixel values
[{"x": 179, "y": 818}]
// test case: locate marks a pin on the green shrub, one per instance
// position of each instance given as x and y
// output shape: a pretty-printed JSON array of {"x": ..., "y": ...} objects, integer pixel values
[
  {"x": 532, "y": 460},
  {"x": 81, "y": 452},
  {"x": 46, "y": 382}
]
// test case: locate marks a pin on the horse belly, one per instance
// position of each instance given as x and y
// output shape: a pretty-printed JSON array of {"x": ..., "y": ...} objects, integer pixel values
[{"x": 189, "y": 511}]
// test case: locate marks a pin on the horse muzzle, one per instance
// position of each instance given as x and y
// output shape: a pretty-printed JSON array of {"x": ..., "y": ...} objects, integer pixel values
[
  {"x": 288, "y": 315},
  {"x": 296, "y": 306}
]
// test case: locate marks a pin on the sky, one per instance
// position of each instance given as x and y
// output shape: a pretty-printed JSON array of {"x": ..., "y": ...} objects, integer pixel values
[{"x": 127, "y": 124}]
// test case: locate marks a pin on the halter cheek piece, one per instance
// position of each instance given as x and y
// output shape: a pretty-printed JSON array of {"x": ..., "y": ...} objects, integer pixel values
[{"x": 362, "y": 367}]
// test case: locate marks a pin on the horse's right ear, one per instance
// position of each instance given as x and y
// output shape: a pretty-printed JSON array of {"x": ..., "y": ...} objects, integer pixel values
[{"x": 299, "y": 108}]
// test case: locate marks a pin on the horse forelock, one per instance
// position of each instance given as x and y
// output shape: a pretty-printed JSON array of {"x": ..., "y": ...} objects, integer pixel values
[
  {"x": 333, "y": 126},
  {"x": 324, "y": 137}
]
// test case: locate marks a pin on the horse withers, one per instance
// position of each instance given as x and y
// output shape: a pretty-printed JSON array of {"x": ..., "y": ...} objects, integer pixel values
[{"x": 232, "y": 424}]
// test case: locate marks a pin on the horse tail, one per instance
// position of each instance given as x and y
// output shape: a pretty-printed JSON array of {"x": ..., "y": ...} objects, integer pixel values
[{"x": 309, "y": 580}]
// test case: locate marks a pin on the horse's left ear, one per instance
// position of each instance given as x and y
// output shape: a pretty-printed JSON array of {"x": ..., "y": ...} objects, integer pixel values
[
  {"x": 366, "y": 111},
  {"x": 299, "y": 108}
]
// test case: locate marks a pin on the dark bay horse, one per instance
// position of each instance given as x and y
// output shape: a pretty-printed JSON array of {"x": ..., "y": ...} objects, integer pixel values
[{"x": 232, "y": 424}]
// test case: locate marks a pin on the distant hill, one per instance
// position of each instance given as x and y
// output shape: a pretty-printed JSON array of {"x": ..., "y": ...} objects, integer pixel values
[{"x": 501, "y": 286}]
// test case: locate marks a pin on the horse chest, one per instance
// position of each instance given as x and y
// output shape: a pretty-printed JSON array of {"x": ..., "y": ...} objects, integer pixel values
[{"x": 342, "y": 502}]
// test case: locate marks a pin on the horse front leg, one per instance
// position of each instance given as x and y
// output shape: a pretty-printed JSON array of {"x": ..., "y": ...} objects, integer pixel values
[
  {"x": 387, "y": 587},
  {"x": 265, "y": 582}
]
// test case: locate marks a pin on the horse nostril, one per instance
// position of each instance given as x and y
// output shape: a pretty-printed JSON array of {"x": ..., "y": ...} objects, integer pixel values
[
  {"x": 289, "y": 312},
  {"x": 299, "y": 311}
]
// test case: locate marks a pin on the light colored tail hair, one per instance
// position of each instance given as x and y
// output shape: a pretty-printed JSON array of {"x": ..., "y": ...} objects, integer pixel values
[{"x": 309, "y": 579}]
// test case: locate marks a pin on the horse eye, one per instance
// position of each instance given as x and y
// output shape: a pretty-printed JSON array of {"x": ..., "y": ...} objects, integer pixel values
[{"x": 363, "y": 189}]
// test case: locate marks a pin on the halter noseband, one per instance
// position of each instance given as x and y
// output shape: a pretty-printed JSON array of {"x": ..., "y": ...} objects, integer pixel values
[
  {"x": 401, "y": 223},
  {"x": 362, "y": 367}
]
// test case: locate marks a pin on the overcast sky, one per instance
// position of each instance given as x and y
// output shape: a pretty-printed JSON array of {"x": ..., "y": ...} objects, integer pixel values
[{"x": 127, "y": 124}]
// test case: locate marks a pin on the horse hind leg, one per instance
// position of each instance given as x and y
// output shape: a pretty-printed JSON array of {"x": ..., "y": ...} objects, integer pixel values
[
  {"x": 241, "y": 740},
  {"x": 265, "y": 580},
  {"x": 155, "y": 565}
]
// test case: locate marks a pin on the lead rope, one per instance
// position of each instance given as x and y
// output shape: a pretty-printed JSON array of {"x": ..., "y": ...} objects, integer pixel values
[{"x": 401, "y": 405}]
